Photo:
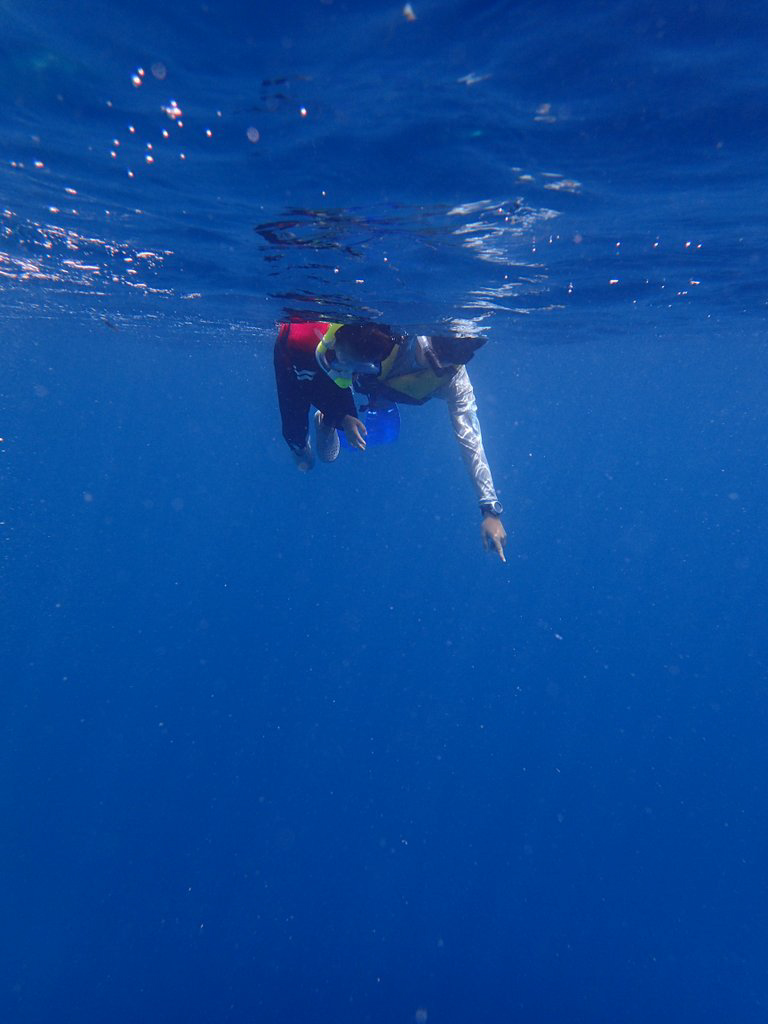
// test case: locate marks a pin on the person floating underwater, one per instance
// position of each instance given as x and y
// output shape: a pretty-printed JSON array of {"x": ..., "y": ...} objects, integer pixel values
[{"x": 320, "y": 364}]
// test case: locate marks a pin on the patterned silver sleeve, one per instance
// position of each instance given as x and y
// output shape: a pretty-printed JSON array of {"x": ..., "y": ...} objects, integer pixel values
[{"x": 462, "y": 406}]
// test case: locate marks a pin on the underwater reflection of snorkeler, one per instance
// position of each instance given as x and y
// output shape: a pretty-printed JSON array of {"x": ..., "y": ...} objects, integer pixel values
[{"x": 320, "y": 364}]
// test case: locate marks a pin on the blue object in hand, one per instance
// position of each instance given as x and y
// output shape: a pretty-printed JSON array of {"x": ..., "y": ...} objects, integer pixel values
[{"x": 382, "y": 423}]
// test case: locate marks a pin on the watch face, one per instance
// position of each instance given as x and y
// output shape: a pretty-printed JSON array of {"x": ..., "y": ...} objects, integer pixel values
[{"x": 493, "y": 508}]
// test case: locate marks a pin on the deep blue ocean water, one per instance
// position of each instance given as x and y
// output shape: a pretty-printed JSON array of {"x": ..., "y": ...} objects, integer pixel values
[{"x": 292, "y": 748}]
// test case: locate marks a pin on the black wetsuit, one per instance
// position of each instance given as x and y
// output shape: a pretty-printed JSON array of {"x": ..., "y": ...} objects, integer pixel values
[{"x": 302, "y": 384}]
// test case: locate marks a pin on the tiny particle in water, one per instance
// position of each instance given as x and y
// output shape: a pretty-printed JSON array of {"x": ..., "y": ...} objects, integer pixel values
[
  {"x": 166, "y": 133},
  {"x": 209, "y": 133},
  {"x": 408, "y": 13},
  {"x": 39, "y": 164},
  {"x": 136, "y": 81},
  {"x": 159, "y": 70},
  {"x": 173, "y": 110},
  {"x": 544, "y": 114},
  {"x": 303, "y": 111},
  {"x": 472, "y": 79},
  {"x": 253, "y": 134},
  {"x": 132, "y": 129},
  {"x": 87, "y": 497},
  {"x": 182, "y": 156},
  {"x": 614, "y": 280},
  {"x": 71, "y": 191},
  {"x": 149, "y": 158}
]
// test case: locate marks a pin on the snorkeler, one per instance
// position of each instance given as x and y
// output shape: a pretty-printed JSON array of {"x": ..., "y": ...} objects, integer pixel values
[{"x": 319, "y": 364}]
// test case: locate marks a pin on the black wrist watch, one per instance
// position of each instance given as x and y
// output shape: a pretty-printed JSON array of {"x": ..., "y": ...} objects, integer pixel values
[{"x": 491, "y": 508}]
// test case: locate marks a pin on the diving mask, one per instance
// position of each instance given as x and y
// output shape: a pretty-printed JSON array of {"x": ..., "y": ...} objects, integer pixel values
[{"x": 339, "y": 368}]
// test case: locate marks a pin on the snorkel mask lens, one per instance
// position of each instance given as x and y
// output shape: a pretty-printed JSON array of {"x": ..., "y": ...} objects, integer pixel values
[
  {"x": 338, "y": 374},
  {"x": 332, "y": 362}
]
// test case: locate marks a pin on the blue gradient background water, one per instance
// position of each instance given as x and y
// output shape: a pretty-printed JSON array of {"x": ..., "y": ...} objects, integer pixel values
[{"x": 287, "y": 748}]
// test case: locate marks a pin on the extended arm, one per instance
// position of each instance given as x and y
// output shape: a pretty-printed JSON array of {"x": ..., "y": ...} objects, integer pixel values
[{"x": 462, "y": 405}]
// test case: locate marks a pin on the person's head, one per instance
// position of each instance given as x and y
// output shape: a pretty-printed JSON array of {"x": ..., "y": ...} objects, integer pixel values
[
  {"x": 363, "y": 343},
  {"x": 353, "y": 349}
]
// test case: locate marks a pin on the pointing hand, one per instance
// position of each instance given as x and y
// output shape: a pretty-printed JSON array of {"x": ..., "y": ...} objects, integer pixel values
[{"x": 494, "y": 535}]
